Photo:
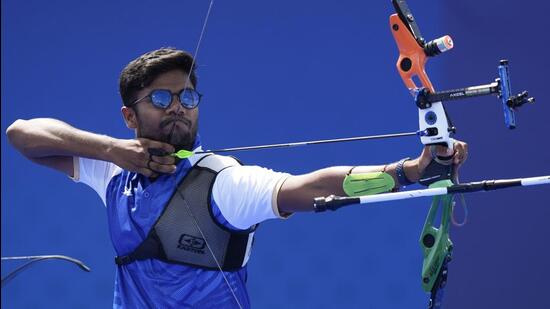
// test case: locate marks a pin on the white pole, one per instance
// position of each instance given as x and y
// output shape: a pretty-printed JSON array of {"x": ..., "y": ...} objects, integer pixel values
[
  {"x": 402, "y": 195},
  {"x": 384, "y": 197},
  {"x": 532, "y": 181}
]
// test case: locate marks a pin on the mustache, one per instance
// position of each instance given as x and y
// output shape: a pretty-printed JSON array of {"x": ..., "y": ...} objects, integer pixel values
[{"x": 169, "y": 120}]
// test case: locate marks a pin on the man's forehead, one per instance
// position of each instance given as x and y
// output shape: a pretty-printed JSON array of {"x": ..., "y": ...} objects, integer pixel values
[{"x": 172, "y": 79}]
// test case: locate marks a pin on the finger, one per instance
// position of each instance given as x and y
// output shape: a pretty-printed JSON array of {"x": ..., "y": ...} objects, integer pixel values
[
  {"x": 461, "y": 153},
  {"x": 161, "y": 168},
  {"x": 457, "y": 160},
  {"x": 149, "y": 162},
  {"x": 150, "y": 170},
  {"x": 446, "y": 151},
  {"x": 146, "y": 172},
  {"x": 156, "y": 152},
  {"x": 165, "y": 160},
  {"x": 458, "y": 156},
  {"x": 455, "y": 172},
  {"x": 166, "y": 163},
  {"x": 466, "y": 149},
  {"x": 167, "y": 148},
  {"x": 426, "y": 150}
]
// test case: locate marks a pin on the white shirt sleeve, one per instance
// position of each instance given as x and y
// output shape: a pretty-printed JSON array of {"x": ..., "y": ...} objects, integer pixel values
[
  {"x": 247, "y": 195},
  {"x": 95, "y": 173}
]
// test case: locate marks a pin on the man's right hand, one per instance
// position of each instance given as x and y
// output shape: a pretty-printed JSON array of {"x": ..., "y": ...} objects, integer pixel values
[
  {"x": 54, "y": 143},
  {"x": 135, "y": 155}
]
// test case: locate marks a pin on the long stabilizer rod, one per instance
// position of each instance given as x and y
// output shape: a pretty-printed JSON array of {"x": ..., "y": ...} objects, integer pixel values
[{"x": 333, "y": 202}]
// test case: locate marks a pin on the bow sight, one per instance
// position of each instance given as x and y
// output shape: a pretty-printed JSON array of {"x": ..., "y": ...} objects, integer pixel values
[{"x": 501, "y": 87}]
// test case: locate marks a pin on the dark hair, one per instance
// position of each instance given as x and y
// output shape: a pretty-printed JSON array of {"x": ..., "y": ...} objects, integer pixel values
[{"x": 141, "y": 72}]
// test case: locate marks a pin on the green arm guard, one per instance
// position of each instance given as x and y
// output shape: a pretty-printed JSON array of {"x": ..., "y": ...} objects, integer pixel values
[{"x": 368, "y": 183}]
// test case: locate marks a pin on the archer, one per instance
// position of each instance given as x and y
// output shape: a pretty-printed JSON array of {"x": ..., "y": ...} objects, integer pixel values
[{"x": 183, "y": 229}]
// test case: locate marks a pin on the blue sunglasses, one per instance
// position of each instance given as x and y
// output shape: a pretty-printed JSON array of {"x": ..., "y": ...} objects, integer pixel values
[{"x": 162, "y": 98}]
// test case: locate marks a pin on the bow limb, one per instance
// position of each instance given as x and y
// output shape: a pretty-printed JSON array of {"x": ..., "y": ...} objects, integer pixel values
[
  {"x": 435, "y": 126},
  {"x": 36, "y": 258}
]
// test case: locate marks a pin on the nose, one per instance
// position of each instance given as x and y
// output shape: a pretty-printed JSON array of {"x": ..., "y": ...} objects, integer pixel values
[{"x": 175, "y": 106}]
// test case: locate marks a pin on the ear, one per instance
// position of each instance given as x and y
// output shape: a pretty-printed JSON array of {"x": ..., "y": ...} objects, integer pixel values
[{"x": 129, "y": 115}]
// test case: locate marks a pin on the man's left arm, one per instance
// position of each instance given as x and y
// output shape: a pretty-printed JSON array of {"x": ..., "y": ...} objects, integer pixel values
[{"x": 297, "y": 192}]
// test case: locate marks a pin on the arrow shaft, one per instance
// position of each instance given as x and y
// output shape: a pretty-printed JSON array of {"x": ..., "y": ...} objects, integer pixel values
[{"x": 316, "y": 142}]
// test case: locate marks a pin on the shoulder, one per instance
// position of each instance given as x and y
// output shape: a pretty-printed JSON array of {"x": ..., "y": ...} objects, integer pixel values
[{"x": 216, "y": 163}]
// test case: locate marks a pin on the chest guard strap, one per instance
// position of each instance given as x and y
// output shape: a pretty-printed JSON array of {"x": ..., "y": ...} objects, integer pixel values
[{"x": 175, "y": 237}]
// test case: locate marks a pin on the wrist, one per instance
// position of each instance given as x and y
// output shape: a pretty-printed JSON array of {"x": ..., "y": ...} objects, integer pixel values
[
  {"x": 411, "y": 170},
  {"x": 401, "y": 175},
  {"x": 111, "y": 145}
]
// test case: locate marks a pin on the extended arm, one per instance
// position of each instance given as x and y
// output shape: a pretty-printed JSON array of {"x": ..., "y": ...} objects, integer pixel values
[{"x": 297, "y": 192}]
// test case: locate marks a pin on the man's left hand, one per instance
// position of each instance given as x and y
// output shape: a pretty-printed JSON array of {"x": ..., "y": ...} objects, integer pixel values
[{"x": 415, "y": 168}]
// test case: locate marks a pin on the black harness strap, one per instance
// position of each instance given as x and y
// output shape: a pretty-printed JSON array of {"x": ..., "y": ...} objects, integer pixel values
[{"x": 175, "y": 237}]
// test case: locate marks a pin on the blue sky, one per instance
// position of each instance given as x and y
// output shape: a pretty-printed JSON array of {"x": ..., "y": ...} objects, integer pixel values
[{"x": 287, "y": 71}]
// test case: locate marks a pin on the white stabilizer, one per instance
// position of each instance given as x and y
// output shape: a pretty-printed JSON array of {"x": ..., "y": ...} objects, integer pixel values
[
  {"x": 402, "y": 195},
  {"x": 385, "y": 197},
  {"x": 532, "y": 181}
]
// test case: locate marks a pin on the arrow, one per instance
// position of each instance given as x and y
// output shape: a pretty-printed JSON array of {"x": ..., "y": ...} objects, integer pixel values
[{"x": 184, "y": 154}]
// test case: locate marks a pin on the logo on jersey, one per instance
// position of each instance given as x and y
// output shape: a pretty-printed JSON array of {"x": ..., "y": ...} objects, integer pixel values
[{"x": 191, "y": 243}]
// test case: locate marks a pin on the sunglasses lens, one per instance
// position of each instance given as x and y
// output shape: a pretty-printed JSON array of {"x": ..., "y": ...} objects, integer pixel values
[
  {"x": 161, "y": 98},
  {"x": 189, "y": 98}
]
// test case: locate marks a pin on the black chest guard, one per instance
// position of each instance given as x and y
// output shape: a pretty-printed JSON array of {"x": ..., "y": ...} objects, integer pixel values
[{"x": 175, "y": 237}]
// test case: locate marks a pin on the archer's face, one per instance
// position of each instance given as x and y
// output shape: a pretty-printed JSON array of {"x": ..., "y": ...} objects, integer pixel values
[{"x": 174, "y": 125}]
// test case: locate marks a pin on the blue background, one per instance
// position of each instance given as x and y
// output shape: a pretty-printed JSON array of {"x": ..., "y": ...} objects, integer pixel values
[{"x": 288, "y": 71}]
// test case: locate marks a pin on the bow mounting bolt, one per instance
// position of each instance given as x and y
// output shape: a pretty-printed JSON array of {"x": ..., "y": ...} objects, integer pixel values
[{"x": 519, "y": 100}]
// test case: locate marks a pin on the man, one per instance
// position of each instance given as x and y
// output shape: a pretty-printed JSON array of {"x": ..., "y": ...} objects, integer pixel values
[{"x": 182, "y": 229}]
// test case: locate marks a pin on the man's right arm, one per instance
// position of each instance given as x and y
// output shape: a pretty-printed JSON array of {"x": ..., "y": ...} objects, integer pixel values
[{"x": 54, "y": 143}]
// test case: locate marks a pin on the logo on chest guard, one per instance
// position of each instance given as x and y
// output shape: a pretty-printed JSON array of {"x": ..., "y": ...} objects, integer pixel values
[{"x": 191, "y": 243}]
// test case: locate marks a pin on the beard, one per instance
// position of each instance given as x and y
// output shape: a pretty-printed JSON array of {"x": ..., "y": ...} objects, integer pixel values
[
  {"x": 178, "y": 132},
  {"x": 179, "y": 136}
]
